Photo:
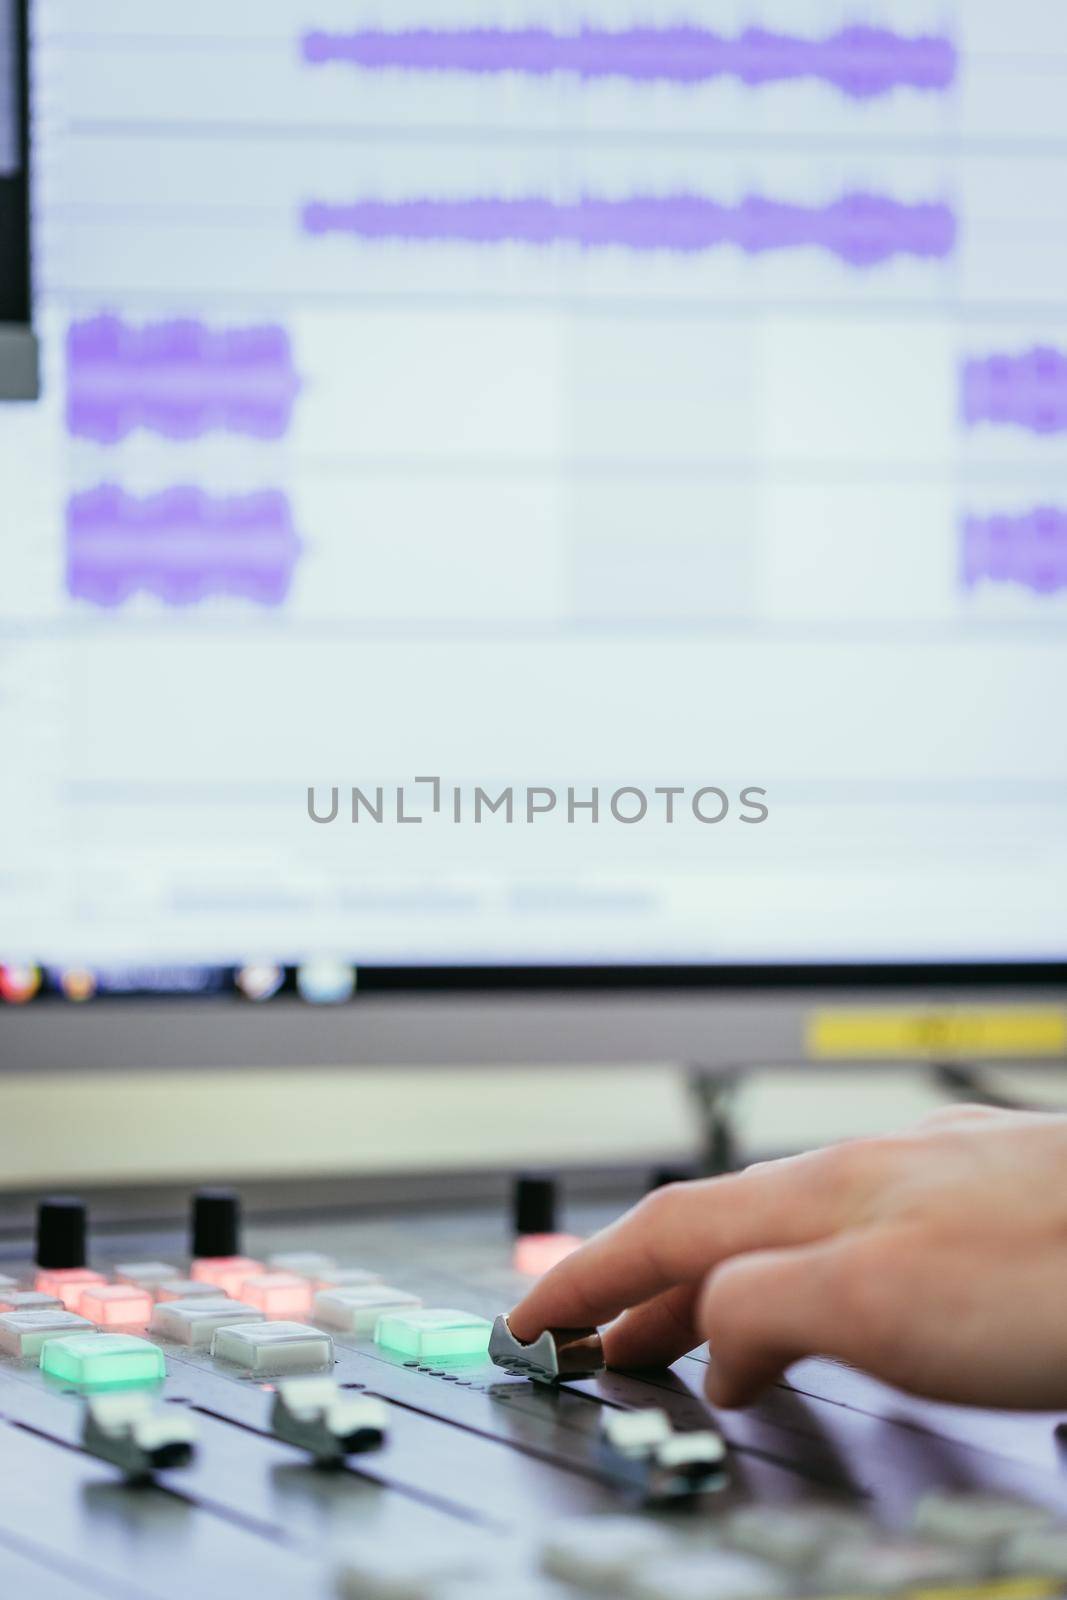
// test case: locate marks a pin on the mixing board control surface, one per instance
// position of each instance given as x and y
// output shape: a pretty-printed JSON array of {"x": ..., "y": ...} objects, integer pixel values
[{"x": 341, "y": 1430}]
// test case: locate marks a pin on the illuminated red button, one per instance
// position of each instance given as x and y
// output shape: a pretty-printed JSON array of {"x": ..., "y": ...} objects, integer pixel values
[
  {"x": 228, "y": 1273},
  {"x": 278, "y": 1294},
  {"x": 535, "y": 1253},
  {"x": 67, "y": 1284},
  {"x": 116, "y": 1305}
]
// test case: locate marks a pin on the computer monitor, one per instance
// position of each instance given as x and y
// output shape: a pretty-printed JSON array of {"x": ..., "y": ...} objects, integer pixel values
[
  {"x": 18, "y": 351},
  {"x": 533, "y": 498}
]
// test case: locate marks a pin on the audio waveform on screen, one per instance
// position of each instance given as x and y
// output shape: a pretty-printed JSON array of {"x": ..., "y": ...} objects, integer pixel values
[
  {"x": 862, "y": 62},
  {"x": 181, "y": 545},
  {"x": 1027, "y": 390},
  {"x": 1027, "y": 549},
  {"x": 863, "y": 230},
  {"x": 178, "y": 378}
]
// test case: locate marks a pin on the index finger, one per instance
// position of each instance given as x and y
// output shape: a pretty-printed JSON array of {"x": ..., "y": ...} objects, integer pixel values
[{"x": 677, "y": 1234}]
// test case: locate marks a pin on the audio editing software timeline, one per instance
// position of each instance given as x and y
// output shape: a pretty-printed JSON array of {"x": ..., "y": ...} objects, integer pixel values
[{"x": 578, "y": 397}]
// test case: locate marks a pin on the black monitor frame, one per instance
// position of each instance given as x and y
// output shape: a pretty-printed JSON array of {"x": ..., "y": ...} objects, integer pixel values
[{"x": 18, "y": 349}]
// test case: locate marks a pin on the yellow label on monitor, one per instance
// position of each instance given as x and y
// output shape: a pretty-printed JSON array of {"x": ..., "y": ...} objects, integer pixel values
[{"x": 958, "y": 1033}]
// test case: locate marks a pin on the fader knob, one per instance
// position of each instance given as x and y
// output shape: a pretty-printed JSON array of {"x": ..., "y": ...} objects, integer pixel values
[
  {"x": 61, "y": 1224},
  {"x": 537, "y": 1244},
  {"x": 216, "y": 1224},
  {"x": 534, "y": 1205}
]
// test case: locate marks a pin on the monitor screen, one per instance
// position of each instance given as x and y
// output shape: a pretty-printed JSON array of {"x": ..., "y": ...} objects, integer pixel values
[{"x": 540, "y": 484}]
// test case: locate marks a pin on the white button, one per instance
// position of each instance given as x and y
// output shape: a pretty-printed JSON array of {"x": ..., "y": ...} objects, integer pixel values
[
  {"x": 498, "y": 1586},
  {"x": 1037, "y": 1553},
  {"x": 348, "y": 1278},
  {"x": 888, "y": 1566},
  {"x": 976, "y": 1519},
  {"x": 305, "y": 1263},
  {"x": 635, "y": 1432},
  {"x": 703, "y": 1447},
  {"x": 22, "y": 1333},
  {"x": 29, "y": 1300},
  {"x": 792, "y": 1536},
  {"x": 195, "y": 1324},
  {"x": 402, "y": 1575},
  {"x": 600, "y": 1552},
  {"x": 695, "y": 1577},
  {"x": 145, "y": 1274},
  {"x": 187, "y": 1289},
  {"x": 274, "y": 1347},
  {"x": 357, "y": 1310}
]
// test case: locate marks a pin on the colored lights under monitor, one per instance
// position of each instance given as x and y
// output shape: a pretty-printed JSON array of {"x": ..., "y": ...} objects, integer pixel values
[
  {"x": 537, "y": 1253},
  {"x": 431, "y": 1335},
  {"x": 19, "y": 983},
  {"x": 278, "y": 1294},
  {"x": 116, "y": 1305},
  {"x": 103, "y": 1361},
  {"x": 228, "y": 1273},
  {"x": 68, "y": 1284}
]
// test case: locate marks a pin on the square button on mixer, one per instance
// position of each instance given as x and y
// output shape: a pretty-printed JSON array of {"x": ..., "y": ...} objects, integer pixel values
[
  {"x": 195, "y": 1324},
  {"x": 268, "y": 1348},
  {"x": 357, "y": 1310},
  {"x": 434, "y": 1335},
  {"x": 23, "y": 1333},
  {"x": 103, "y": 1360}
]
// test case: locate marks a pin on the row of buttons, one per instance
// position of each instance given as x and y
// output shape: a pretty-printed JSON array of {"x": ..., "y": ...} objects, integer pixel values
[
  {"x": 287, "y": 1289},
  {"x": 69, "y": 1347},
  {"x": 961, "y": 1544}
]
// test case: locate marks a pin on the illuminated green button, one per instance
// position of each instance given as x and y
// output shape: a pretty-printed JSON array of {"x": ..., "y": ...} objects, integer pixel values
[
  {"x": 103, "y": 1360},
  {"x": 433, "y": 1335}
]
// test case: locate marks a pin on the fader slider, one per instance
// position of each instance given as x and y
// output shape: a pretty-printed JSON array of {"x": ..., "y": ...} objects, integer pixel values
[
  {"x": 317, "y": 1416},
  {"x": 137, "y": 1434},
  {"x": 558, "y": 1354},
  {"x": 661, "y": 1464}
]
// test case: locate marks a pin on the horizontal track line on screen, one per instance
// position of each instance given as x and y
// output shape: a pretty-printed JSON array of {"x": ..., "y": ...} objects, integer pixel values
[{"x": 882, "y": 141}]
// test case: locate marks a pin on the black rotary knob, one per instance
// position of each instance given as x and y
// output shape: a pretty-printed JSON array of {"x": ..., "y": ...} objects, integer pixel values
[
  {"x": 61, "y": 1228},
  {"x": 216, "y": 1224},
  {"x": 535, "y": 1204}
]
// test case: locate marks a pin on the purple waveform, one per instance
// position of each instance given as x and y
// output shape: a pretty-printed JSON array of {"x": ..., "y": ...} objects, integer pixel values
[
  {"x": 179, "y": 378},
  {"x": 862, "y": 229},
  {"x": 862, "y": 62},
  {"x": 1029, "y": 549},
  {"x": 1028, "y": 391},
  {"x": 182, "y": 545}
]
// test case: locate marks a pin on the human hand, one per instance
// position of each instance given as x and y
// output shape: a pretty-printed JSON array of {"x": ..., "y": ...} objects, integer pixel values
[{"x": 935, "y": 1259}]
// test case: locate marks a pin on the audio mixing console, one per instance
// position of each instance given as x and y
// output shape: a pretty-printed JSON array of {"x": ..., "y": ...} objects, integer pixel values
[{"x": 319, "y": 1416}]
